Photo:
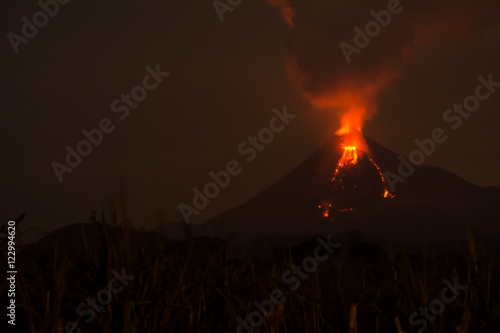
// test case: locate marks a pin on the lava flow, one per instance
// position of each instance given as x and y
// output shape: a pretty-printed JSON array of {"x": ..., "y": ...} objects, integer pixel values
[{"x": 348, "y": 168}]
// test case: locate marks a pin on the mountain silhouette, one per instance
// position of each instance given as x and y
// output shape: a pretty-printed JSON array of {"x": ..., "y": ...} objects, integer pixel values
[{"x": 430, "y": 206}]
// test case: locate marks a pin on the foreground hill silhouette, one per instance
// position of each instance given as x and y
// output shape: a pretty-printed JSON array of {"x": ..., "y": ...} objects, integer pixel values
[{"x": 202, "y": 285}]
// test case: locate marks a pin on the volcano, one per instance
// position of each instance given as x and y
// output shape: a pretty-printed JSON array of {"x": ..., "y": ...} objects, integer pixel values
[{"x": 433, "y": 205}]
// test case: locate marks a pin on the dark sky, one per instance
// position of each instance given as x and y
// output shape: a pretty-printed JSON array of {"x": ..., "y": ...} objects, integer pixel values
[{"x": 225, "y": 79}]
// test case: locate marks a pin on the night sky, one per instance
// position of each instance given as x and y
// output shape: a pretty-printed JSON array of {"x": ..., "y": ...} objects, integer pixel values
[{"x": 225, "y": 78}]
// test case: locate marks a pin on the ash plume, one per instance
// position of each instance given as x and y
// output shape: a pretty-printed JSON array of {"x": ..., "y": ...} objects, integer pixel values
[{"x": 317, "y": 64}]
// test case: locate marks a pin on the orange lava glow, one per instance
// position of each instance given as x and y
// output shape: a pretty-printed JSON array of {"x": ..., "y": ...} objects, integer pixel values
[
  {"x": 387, "y": 194},
  {"x": 350, "y": 156},
  {"x": 326, "y": 209},
  {"x": 351, "y": 124}
]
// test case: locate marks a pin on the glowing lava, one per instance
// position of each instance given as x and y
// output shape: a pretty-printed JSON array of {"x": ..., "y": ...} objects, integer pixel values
[
  {"x": 350, "y": 156},
  {"x": 387, "y": 194},
  {"x": 349, "y": 159}
]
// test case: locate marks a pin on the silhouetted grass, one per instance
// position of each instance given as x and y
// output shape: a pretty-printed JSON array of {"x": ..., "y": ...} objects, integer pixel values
[{"x": 200, "y": 286}]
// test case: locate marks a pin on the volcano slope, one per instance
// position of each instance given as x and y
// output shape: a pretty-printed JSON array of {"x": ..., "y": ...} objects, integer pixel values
[{"x": 430, "y": 206}]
